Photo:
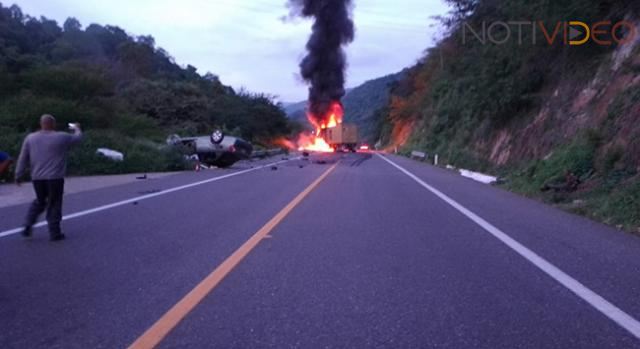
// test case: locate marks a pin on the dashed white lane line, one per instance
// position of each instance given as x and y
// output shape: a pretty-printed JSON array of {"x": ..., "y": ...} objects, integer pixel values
[
  {"x": 140, "y": 198},
  {"x": 605, "y": 307}
]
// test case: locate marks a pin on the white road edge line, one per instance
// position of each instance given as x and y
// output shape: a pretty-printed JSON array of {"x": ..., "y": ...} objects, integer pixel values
[
  {"x": 614, "y": 313},
  {"x": 143, "y": 197}
]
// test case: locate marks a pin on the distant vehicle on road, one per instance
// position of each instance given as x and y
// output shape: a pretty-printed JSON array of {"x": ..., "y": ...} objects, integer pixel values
[
  {"x": 343, "y": 137},
  {"x": 216, "y": 149}
]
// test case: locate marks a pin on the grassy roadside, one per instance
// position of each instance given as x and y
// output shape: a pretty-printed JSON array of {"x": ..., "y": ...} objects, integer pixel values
[
  {"x": 582, "y": 177},
  {"x": 141, "y": 154}
]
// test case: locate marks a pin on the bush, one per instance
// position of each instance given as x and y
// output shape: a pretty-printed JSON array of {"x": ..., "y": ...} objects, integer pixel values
[
  {"x": 139, "y": 156},
  {"x": 577, "y": 157},
  {"x": 620, "y": 206},
  {"x": 21, "y": 112},
  {"x": 11, "y": 141},
  {"x": 68, "y": 82}
]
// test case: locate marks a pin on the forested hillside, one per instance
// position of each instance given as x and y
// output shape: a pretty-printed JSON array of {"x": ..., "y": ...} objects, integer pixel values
[
  {"x": 127, "y": 93},
  {"x": 362, "y": 103},
  {"x": 560, "y": 122}
]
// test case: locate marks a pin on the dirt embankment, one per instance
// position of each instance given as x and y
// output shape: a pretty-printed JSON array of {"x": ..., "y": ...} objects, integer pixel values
[{"x": 609, "y": 103}]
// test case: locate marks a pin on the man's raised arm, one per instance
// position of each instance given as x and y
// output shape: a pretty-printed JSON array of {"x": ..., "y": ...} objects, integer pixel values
[{"x": 76, "y": 137}]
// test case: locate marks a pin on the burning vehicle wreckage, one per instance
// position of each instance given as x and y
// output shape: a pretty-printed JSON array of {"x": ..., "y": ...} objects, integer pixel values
[
  {"x": 216, "y": 149},
  {"x": 331, "y": 135},
  {"x": 323, "y": 69}
]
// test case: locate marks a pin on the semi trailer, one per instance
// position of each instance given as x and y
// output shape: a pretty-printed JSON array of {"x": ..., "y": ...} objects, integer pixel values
[{"x": 343, "y": 137}]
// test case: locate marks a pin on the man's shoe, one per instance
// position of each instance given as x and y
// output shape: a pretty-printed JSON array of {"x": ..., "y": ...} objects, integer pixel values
[
  {"x": 26, "y": 232},
  {"x": 58, "y": 237}
]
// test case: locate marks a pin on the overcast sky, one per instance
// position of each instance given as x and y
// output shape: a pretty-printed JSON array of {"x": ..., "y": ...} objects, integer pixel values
[{"x": 248, "y": 44}]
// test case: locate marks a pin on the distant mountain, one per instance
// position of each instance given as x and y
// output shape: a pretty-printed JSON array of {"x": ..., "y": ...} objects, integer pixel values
[
  {"x": 295, "y": 111},
  {"x": 362, "y": 103}
]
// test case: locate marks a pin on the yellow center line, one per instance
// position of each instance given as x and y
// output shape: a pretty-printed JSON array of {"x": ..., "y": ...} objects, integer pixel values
[{"x": 161, "y": 328}]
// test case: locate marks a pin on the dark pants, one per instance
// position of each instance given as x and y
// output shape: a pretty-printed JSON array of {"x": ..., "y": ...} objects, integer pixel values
[{"x": 48, "y": 196}]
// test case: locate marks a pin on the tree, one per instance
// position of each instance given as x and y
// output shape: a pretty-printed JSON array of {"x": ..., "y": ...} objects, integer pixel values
[
  {"x": 209, "y": 76},
  {"x": 147, "y": 40},
  {"x": 115, "y": 83},
  {"x": 71, "y": 24},
  {"x": 15, "y": 12},
  {"x": 462, "y": 10}
]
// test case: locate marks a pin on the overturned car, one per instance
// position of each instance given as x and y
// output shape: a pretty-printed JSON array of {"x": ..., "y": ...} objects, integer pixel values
[{"x": 216, "y": 149}]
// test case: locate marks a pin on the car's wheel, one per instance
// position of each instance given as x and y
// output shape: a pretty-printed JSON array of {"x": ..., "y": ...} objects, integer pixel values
[{"x": 217, "y": 137}]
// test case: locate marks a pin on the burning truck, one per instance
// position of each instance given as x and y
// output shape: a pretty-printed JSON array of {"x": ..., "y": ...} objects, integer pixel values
[
  {"x": 323, "y": 68},
  {"x": 330, "y": 135},
  {"x": 343, "y": 137}
]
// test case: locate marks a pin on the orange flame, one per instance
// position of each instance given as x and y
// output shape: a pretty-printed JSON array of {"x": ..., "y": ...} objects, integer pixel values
[
  {"x": 314, "y": 143},
  {"x": 317, "y": 142},
  {"x": 284, "y": 143}
]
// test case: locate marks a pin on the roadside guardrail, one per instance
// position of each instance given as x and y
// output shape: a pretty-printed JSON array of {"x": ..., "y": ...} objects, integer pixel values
[{"x": 267, "y": 153}]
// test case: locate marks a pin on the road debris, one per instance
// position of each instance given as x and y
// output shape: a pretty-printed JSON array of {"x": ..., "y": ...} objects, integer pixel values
[
  {"x": 479, "y": 177},
  {"x": 110, "y": 154}
]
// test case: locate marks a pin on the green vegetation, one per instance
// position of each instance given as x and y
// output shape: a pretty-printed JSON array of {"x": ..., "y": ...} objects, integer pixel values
[
  {"x": 464, "y": 89},
  {"x": 126, "y": 92},
  {"x": 362, "y": 103},
  {"x": 470, "y": 102},
  {"x": 141, "y": 155},
  {"x": 619, "y": 206},
  {"x": 576, "y": 158},
  {"x": 606, "y": 190}
]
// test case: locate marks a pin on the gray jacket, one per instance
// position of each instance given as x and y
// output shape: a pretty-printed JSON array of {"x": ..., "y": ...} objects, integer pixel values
[{"x": 45, "y": 154}]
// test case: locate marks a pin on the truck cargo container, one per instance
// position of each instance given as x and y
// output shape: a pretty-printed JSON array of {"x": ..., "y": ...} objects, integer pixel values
[{"x": 342, "y": 137}]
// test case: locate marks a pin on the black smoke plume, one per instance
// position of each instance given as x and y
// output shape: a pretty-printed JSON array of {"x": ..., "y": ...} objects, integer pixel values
[{"x": 324, "y": 66}]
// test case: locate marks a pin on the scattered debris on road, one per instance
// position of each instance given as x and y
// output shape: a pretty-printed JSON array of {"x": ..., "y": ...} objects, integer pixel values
[
  {"x": 151, "y": 191},
  {"x": 479, "y": 177},
  {"x": 110, "y": 154}
]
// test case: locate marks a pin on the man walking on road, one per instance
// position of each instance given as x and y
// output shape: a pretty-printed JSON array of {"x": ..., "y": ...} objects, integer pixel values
[{"x": 45, "y": 154}]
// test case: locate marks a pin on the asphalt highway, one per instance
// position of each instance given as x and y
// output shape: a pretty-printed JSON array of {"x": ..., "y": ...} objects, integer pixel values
[{"x": 339, "y": 251}]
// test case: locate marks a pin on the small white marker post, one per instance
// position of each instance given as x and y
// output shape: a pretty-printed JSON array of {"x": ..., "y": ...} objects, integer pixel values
[{"x": 435, "y": 160}]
